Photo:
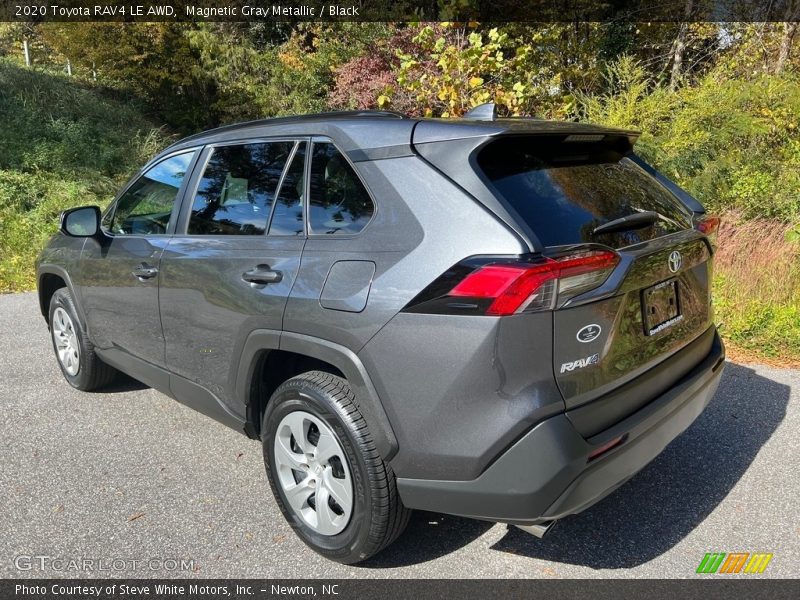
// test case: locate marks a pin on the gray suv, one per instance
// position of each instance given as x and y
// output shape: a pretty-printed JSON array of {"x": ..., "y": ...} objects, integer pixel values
[{"x": 503, "y": 319}]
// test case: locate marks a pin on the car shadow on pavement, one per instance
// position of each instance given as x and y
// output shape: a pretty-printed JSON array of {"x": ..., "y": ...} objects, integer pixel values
[
  {"x": 648, "y": 515},
  {"x": 676, "y": 492},
  {"x": 428, "y": 536},
  {"x": 123, "y": 383}
]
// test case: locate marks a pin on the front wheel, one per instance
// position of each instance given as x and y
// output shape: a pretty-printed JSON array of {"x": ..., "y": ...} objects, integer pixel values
[
  {"x": 328, "y": 479},
  {"x": 81, "y": 367}
]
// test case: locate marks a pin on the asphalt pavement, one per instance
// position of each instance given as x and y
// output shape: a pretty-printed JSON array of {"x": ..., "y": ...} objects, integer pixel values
[{"x": 141, "y": 486}]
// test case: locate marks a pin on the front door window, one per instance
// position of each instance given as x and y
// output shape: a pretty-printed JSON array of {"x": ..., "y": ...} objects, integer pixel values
[{"x": 147, "y": 205}]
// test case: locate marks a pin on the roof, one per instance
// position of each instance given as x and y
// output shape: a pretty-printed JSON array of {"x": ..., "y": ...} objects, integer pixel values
[
  {"x": 309, "y": 118},
  {"x": 358, "y": 132}
]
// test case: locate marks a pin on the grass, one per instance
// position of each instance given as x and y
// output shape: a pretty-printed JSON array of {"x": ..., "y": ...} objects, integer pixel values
[
  {"x": 63, "y": 143},
  {"x": 757, "y": 288}
]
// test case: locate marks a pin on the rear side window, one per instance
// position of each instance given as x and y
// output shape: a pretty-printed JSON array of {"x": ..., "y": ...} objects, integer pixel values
[
  {"x": 338, "y": 202},
  {"x": 237, "y": 190},
  {"x": 564, "y": 191}
]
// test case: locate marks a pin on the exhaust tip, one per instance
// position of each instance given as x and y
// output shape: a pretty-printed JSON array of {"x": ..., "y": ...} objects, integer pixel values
[{"x": 539, "y": 529}]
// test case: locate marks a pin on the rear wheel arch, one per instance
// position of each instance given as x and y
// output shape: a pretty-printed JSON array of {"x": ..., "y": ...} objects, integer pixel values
[
  {"x": 270, "y": 358},
  {"x": 271, "y": 369}
]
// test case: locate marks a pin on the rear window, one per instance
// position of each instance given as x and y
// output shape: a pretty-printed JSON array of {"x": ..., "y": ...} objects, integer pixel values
[{"x": 564, "y": 190}]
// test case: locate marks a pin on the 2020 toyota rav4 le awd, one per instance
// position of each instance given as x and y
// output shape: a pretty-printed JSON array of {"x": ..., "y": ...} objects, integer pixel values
[{"x": 503, "y": 319}]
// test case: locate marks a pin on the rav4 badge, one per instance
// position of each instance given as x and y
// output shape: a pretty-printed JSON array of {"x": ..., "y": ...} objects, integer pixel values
[{"x": 580, "y": 363}]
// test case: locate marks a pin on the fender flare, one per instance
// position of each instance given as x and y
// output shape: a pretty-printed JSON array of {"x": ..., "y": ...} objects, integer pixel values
[
  {"x": 50, "y": 269},
  {"x": 341, "y": 357}
]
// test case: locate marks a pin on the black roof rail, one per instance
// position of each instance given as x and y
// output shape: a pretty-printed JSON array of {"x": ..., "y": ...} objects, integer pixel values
[
  {"x": 293, "y": 119},
  {"x": 358, "y": 113}
]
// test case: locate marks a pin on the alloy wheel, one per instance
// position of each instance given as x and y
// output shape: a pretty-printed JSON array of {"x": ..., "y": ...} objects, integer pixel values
[
  {"x": 314, "y": 472},
  {"x": 66, "y": 341}
]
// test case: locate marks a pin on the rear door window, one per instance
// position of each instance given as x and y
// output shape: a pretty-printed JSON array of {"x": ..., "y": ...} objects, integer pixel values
[
  {"x": 563, "y": 191},
  {"x": 237, "y": 190},
  {"x": 287, "y": 216}
]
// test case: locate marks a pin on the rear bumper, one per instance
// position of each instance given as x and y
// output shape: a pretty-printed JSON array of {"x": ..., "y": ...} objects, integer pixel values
[{"x": 547, "y": 474}]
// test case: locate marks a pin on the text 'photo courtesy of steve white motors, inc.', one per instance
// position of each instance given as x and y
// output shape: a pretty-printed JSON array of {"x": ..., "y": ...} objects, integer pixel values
[{"x": 144, "y": 589}]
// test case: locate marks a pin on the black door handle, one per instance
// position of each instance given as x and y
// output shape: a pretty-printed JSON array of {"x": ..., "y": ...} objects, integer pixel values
[
  {"x": 262, "y": 275},
  {"x": 143, "y": 272}
]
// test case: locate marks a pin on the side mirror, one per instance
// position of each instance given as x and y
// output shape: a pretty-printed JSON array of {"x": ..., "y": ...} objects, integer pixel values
[{"x": 80, "y": 222}]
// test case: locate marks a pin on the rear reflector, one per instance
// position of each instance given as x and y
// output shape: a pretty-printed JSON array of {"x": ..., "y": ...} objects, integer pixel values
[
  {"x": 515, "y": 287},
  {"x": 610, "y": 445}
]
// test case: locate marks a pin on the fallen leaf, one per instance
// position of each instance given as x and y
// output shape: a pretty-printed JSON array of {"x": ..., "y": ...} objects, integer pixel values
[
  {"x": 59, "y": 508},
  {"x": 277, "y": 539}
]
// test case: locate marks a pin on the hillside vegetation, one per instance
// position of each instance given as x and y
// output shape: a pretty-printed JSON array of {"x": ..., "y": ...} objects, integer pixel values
[{"x": 62, "y": 144}]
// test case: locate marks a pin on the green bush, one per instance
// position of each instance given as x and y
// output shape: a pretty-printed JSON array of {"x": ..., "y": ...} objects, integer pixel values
[
  {"x": 29, "y": 207},
  {"x": 54, "y": 123},
  {"x": 757, "y": 286},
  {"x": 732, "y": 143}
]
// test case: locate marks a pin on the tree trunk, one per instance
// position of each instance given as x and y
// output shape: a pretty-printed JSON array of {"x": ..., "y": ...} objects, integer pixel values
[
  {"x": 789, "y": 29},
  {"x": 679, "y": 49}
]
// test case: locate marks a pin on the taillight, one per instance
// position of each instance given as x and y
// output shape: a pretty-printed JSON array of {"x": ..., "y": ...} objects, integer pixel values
[
  {"x": 708, "y": 226},
  {"x": 510, "y": 287},
  {"x": 505, "y": 287}
]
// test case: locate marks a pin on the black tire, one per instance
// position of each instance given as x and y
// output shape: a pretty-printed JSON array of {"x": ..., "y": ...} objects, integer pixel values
[
  {"x": 378, "y": 516},
  {"x": 92, "y": 372}
]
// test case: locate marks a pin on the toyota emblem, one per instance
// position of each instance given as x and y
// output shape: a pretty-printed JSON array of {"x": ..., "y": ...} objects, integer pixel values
[{"x": 675, "y": 261}]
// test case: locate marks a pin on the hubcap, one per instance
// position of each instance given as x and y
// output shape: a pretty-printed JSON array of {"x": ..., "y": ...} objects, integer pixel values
[
  {"x": 313, "y": 472},
  {"x": 66, "y": 341}
]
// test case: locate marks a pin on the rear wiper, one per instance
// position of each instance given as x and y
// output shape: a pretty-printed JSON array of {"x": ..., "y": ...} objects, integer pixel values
[{"x": 635, "y": 221}]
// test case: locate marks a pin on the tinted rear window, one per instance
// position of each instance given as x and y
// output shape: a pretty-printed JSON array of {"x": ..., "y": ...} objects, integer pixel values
[{"x": 563, "y": 191}]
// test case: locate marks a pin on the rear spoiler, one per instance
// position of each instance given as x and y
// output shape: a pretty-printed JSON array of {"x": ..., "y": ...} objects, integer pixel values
[{"x": 685, "y": 197}]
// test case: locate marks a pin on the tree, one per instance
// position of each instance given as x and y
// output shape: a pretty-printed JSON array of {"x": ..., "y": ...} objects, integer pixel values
[
  {"x": 680, "y": 48},
  {"x": 789, "y": 31},
  {"x": 369, "y": 80},
  {"x": 288, "y": 73},
  {"x": 153, "y": 61}
]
